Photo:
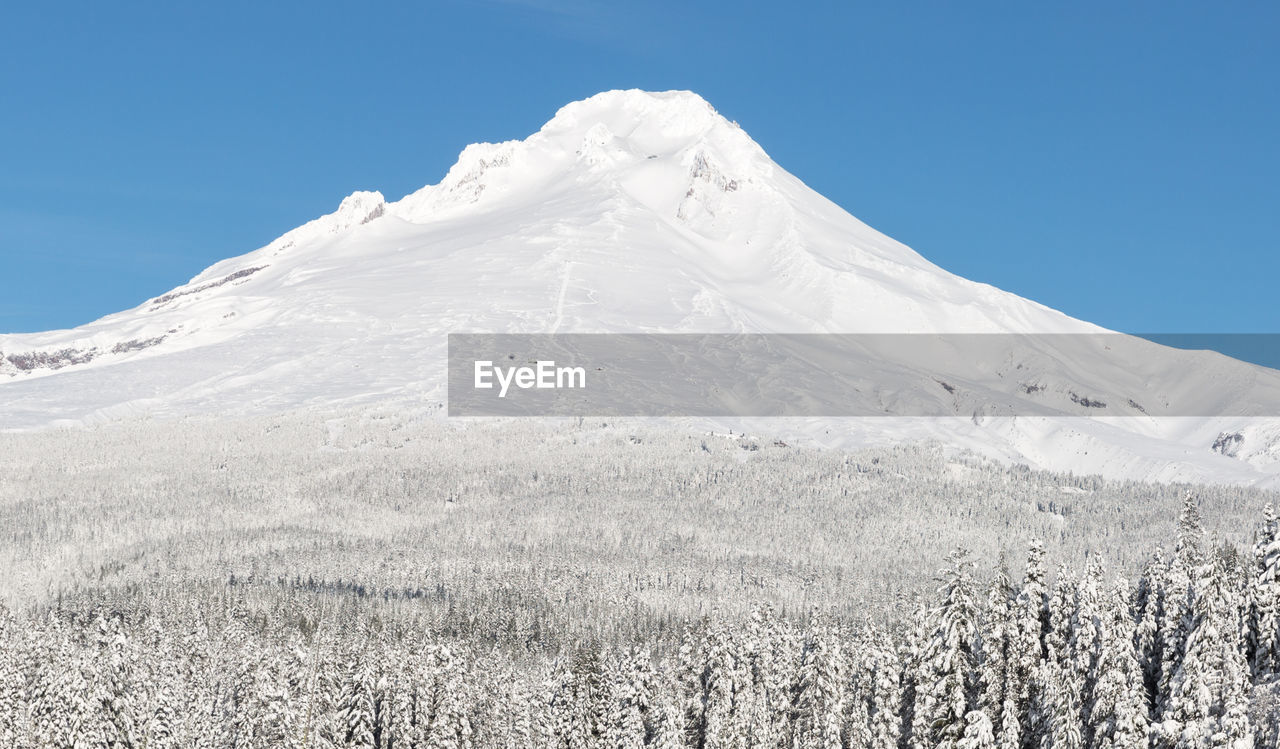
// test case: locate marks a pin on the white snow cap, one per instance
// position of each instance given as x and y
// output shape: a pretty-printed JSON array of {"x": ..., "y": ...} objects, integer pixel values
[
  {"x": 649, "y": 123},
  {"x": 669, "y": 115},
  {"x": 604, "y": 134}
]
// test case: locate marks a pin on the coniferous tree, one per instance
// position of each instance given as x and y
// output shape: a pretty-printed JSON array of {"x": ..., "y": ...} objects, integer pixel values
[
  {"x": 719, "y": 687},
  {"x": 1209, "y": 691},
  {"x": 160, "y": 722},
  {"x": 1062, "y": 620},
  {"x": 885, "y": 699},
  {"x": 1149, "y": 613},
  {"x": 669, "y": 717},
  {"x": 917, "y": 680},
  {"x": 630, "y": 700},
  {"x": 62, "y": 709},
  {"x": 997, "y": 651},
  {"x": 1058, "y": 711},
  {"x": 1179, "y": 599},
  {"x": 116, "y": 693},
  {"x": 356, "y": 711},
  {"x": 1189, "y": 542},
  {"x": 520, "y": 711},
  {"x": 772, "y": 656},
  {"x": 819, "y": 693},
  {"x": 950, "y": 692},
  {"x": 10, "y": 680},
  {"x": 449, "y": 726},
  {"x": 1087, "y": 641},
  {"x": 1117, "y": 715},
  {"x": 859, "y": 687},
  {"x": 978, "y": 733},
  {"x": 1031, "y": 628},
  {"x": 1264, "y": 610}
]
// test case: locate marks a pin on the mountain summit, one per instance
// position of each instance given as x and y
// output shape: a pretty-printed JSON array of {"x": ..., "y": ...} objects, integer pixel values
[{"x": 630, "y": 211}]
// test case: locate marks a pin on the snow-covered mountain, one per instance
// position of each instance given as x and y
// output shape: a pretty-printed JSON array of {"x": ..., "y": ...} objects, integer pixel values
[{"x": 627, "y": 212}]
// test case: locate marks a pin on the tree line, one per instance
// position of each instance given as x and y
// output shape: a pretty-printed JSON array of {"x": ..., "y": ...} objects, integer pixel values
[{"x": 1185, "y": 655}]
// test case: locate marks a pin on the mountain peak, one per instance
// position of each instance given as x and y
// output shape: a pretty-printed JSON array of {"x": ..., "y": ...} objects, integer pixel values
[
  {"x": 635, "y": 124},
  {"x": 609, "y": 134},
  {"x": 679, "y": 115}
]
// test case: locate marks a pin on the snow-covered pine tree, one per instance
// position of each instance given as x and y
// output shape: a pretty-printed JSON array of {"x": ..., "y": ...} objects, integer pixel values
[
  {"x": 765, "y": 653},
  {"x": 719, "y": 686},
  {"x": 859, "y": 689},
  {"x": 551, "y": 715},
  {"x": 1179, "y": 599},
  {"x": 325, "y": 709},
  {"x": 270, "y": 702},
  {"x": 1189, "y": 542},
  {"x": 449, "y": 726},
  {"x": 819, "y": 693},
  {"x": 64, "y": 710},
  {"x": 978, "y": 732},
  {"x": 996, "y": 648},
  {"x": 11, "y": 706},
  {"x": 1058, "y": 708},
  {"x": 884, "y": 711},
  {"x": 578, "y": 701},
  {"x": 1117, "y": 715},
  {"x": 627, "y": 681},
  {"x": 668, "y": 711},
  {"x": 784, "y": 645},
  {"x": 160, "y": 726},
  {"x": 402, "y": 701},
  {"x": 1148, "y": 613},
  {"x": 1264, "y": 609},
  {"x": 1237, "y": 731},
  {"x": 691, "y": 679},
  {"x": 950, "y": 656},
  {"x": 1086, "y": 644},
  {"x": 1010, "y": 728},
  {"x": 355, "y": 708},
  {"x": 318, "y": 691},
  {"x": 917, "y": 679},
  {"x": 1209, "y": 690},
  {"x": 1030, "y": 629},
  {"x": 117, "y": 694},
  {"x": 521, "y": 710},
  {"x": 1062, "y": 619}
]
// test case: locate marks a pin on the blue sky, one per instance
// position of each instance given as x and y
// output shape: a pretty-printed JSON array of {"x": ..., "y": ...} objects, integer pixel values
[{"x": 1116, "y": 160}]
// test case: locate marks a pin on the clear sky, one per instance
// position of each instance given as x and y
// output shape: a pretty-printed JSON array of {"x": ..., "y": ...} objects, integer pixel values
[{"x": 1116, "y": 160}]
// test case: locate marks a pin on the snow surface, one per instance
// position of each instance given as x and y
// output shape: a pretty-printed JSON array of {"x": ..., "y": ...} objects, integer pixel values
[{"x": 629, "y": 211}]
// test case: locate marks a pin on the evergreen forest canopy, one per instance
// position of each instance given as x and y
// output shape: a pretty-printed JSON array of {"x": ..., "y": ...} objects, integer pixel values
[{"x": 366, "y": 580}]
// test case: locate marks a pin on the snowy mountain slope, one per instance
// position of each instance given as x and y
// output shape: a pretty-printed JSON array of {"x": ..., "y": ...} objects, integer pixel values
[{"x": 627, "y": 212}]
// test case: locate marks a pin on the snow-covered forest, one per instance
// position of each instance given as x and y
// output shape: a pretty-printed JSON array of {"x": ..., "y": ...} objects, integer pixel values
[{"x": 366, "y": 580}]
